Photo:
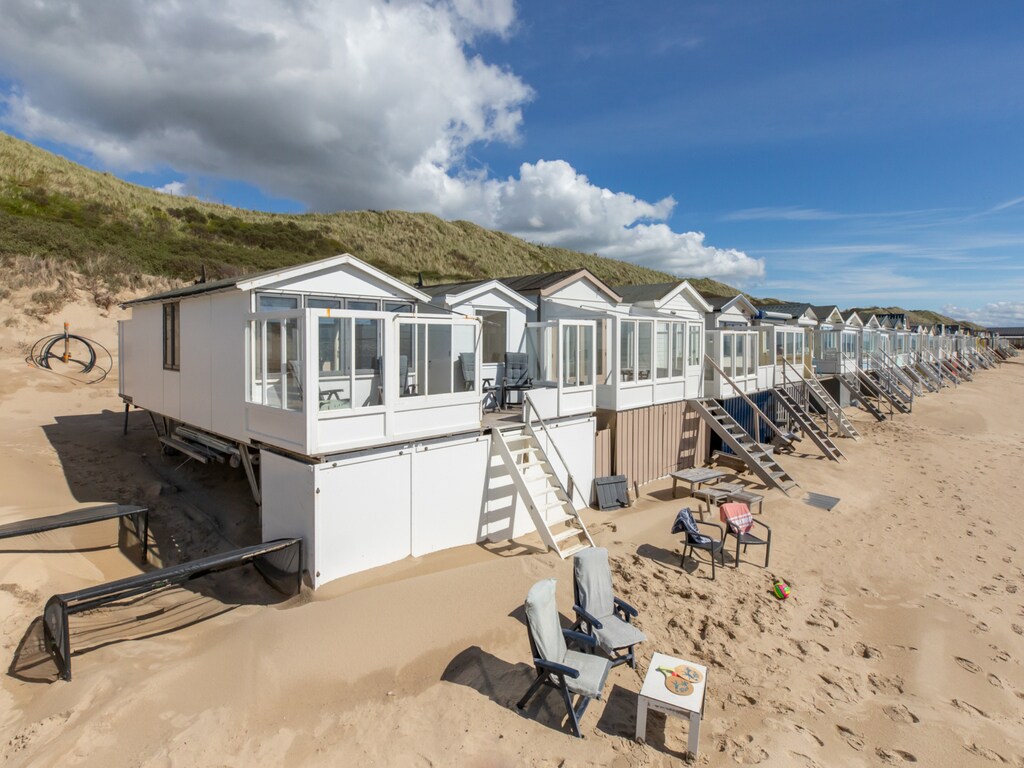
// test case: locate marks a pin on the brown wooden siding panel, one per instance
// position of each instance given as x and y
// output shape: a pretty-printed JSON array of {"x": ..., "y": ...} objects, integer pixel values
[{"x": 648, "y": 443}]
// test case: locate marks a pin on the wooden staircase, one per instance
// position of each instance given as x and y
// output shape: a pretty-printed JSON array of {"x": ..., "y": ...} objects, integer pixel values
[
  {"x": 853, "y": 386},
  {"x": 807, "y": 424},
  {"x": 879, "y": 389},
  {"x": 931, "y": 373},
  {"x": 832, "y": 409},
  {"x": 889, "y": 385},
  {"x": 758, "y": 459},
  {"x": 550, "y": 506}
]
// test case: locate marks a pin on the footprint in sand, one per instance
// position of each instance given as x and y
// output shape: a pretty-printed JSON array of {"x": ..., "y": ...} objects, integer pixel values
[
  {"x": 866, "y": 651},
  {"x": 993, "y": 680},
  {"x": 799, "y": 758},
  {"x": 855, "y": 740},
  {"x": 970, "y": 709},
  {"x": 899, "y": 713},
  {"x": 985, "y": 752},
  {"x": 895, "y": 756},
  {"x": 882, "y": 684},
  {"x": 745, "y": 754},
  {"x": 809, "y": 734},
  {"x": 967, "y": 664}
]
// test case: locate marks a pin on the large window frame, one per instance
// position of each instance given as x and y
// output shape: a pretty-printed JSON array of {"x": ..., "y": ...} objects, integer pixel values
[{"x": 664, "y": 353}]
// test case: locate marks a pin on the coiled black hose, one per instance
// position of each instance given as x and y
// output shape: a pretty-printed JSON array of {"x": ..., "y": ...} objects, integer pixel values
[{"x": 41, "y": 355}]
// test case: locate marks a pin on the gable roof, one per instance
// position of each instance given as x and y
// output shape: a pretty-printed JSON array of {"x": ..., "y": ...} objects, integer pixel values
[
  {"x": 852, "y": 318},
  {"x": 261, "y": 279},
  {"x": 459, "y": 293},
  {"x": 661, "y": 293},
  {"x": 793, "y": 310},
  {"x": 823, "y": 311},
  {"x": 547, "y": 283},
  {"x": 722, "y": 303}
]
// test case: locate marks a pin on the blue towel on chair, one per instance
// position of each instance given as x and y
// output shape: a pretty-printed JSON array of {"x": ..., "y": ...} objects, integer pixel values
[{"x": 684, "y": 522}]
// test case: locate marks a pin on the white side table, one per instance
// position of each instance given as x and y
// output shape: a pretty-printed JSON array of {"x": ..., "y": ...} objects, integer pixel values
[{"x": 688, "y": 681}]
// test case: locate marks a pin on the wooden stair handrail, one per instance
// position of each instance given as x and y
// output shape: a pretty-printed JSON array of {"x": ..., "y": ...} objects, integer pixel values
[{"x": 747, "y": 400}]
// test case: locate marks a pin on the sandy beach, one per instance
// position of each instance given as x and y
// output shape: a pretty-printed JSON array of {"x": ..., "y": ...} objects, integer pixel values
[{"x": 902, "y": 643}]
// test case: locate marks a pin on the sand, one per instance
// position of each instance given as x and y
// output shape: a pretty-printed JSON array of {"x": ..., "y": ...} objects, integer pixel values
[{"x": 902, "y": 641}]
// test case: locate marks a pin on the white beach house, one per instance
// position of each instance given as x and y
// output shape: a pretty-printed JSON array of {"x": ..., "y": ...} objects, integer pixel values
[{"x": 358, "y": 402}]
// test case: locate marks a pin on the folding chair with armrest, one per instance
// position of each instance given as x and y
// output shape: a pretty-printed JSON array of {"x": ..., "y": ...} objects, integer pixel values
[
  {"x": 557, "y": 666},
  {"x": 599, "y": 613}
]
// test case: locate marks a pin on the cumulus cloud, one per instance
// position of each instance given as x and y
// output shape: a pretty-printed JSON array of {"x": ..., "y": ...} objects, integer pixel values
[
  {"x": 996, "y": 314},
  {"x": 341, "y": 104},
  {"x": 176, "y": 188}
]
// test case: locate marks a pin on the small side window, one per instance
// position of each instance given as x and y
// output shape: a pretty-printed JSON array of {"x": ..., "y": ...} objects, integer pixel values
[
  {"x": 172, "y": 336},
  {"x": 271, "y": 301}
]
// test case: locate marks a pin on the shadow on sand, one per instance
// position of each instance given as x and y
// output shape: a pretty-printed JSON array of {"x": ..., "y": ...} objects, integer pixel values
[{"x": 195, "y": 511}]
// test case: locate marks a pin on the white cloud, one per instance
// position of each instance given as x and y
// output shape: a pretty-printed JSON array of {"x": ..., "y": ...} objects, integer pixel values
[
  {"x": 341, "y": 104},
  {"x": 999, "y": 313},
  {"x": 173, "y": 188}
]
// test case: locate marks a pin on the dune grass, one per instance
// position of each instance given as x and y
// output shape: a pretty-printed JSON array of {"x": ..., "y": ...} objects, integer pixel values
[{"x": 115, "y": 235}]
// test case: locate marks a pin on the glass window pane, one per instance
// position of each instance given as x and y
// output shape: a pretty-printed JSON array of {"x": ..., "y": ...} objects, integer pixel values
[
  {"x": 367, "y": 345},
  {"x": 294, "y": 367},
  {"x": 463, "y": 346},
  {"x": 752, "y": 354},
  {"x": 727, "y": 362},
  {"x": 693, "y": 350},
  {"x": 627, "y": 349},
  {"x": 407, "y": 343},
  {"x": 266, "y": 301},
  {"x": 678, "y": 348},
  {"x": 397, "y": 306},
  {"x": 645, "y": 339},
  {"x": 419, "y": 361},
  {"x": 601, "y": 349},
  {"x": 362, "y": 305},
  {"x": 495, "y": 335},
  {"x": 586, "y": 355},
  {"x": 570, "y": 355},
  {"x": 256, "y": 373},
  {"x": 740, "y": 360},
  {"x": 661, "y": 351},
  {"x": 439, "y": 359},
  {"x": 334, "y": 369},
  {"x": 317, "y": 302}
]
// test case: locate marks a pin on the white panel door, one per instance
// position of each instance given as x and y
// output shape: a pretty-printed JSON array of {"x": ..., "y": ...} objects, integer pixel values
[
  {"x": 448, "y": 484},
  {"x": 363, "y": 513}
]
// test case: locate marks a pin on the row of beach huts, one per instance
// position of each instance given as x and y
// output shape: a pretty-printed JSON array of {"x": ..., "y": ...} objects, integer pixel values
[{"x": 377, "y": 420}]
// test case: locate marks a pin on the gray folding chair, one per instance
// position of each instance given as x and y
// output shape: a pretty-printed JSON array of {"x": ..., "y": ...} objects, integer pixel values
[
  {"x": 599, "y": 613},
  {"x": 557, "y": 666}
]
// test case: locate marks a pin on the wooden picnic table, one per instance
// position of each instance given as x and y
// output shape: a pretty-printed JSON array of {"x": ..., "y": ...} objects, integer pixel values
[{"x": 695, "y": 476}]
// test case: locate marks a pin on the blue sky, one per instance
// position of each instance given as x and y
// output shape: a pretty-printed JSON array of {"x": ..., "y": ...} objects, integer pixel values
[{"x": 851, "y": 152}]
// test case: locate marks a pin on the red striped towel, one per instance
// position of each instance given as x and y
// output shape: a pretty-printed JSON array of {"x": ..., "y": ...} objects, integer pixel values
[{"x": 737, "y": 516}]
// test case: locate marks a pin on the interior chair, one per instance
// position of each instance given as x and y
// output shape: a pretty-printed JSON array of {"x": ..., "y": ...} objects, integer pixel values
[{"x": 517, "y": 376}]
